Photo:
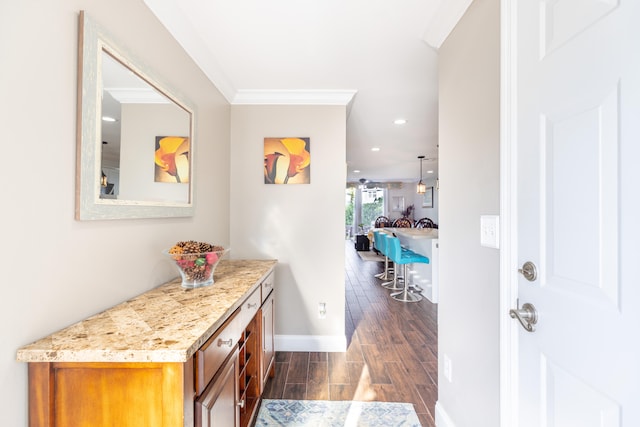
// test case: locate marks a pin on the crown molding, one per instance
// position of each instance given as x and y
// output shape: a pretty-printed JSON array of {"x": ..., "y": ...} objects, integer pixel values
[
  {"x": 444, "y": 21},
  {"x": 172, "y": 17},
  {"x": 294, "y": 97}
]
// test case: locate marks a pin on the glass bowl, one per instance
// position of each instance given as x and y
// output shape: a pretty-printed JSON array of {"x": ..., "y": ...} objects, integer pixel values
[{"x": 196, "y": 269}]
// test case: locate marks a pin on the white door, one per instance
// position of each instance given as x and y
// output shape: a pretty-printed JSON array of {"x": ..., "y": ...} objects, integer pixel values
[{"x": 575, "y": 144}]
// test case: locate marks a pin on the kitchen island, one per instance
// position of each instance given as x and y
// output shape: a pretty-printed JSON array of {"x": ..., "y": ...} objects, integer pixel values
[
  {"x": 423, "y": 241},
  {"x": 169, "y": 357}
]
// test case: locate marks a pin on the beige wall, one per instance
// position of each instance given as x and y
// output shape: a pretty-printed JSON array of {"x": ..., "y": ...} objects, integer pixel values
[
  {"x": 143, "y": 122},
  {"x": 468, "y": 321},
  {"x": 57, "y": 270},
  {"x": 301, "y": 225}
]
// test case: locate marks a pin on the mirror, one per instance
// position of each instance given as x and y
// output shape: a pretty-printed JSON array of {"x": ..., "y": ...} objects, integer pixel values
[{"x": 135, "y": 136}]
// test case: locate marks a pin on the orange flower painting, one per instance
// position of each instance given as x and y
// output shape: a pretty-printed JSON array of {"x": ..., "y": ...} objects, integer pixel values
[
  {"x": 287, "y": 161},
  {"x": 172, "y": 159}
]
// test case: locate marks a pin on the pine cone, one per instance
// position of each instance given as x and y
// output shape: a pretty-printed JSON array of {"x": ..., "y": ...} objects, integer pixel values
[{"x": 193, "y": 247}]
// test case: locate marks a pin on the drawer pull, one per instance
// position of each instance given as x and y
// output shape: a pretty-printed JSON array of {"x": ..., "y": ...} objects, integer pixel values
[
  {"x": 254, "y": 305},
  {"x": 222, "y": 342},
  {"x": 241, "y": 403}
]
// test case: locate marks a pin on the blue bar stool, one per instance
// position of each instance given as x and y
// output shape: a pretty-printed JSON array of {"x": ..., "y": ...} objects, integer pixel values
[
  {"x": 392, "y": 285},
  {"x": 379, "y": 241},
  {"x": 404, "y": 257}
]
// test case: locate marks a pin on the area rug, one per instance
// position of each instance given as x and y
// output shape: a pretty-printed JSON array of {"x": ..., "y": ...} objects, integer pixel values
[
  {"x": 370, "y": 256},
  {"x": 324, "y": 413}
]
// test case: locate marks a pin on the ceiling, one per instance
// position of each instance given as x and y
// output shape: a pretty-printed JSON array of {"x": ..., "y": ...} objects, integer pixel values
[{"x": 378, "y": 57}]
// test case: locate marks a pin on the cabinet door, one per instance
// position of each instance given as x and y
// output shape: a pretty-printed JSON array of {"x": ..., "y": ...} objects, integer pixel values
[
  {"x": 106, "y": 394},
  {"x": 268, "y": 349},
  {"x": 217, "y": 407}
]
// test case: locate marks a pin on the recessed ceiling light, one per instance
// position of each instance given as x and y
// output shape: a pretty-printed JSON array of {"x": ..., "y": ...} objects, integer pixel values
[
  {"x": 399, "y": 121},
  {"x": 356, "y": 171},
  {"x": 108, "y": 119},
  {"x": 375, "y": 149},
  {"x": 429, "y": 171}
]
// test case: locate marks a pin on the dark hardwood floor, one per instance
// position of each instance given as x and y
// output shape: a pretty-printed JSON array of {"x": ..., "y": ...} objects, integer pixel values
[{"x": 391, "y": 355}]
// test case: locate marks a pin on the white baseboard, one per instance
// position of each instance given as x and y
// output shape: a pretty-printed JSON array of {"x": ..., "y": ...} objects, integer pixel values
[
  {"x": 323, "y": 343},
  {"x": 442, "y": 418}
]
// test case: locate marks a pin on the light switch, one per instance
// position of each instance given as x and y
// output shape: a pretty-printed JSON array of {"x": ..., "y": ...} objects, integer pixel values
[
  {"x": 490, "y": 231},
  {"x": 322, "y": 310}
]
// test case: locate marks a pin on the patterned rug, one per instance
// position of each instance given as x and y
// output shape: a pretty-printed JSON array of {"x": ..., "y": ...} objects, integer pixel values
[
  {"x": 370, "y": 256},
  {"x": 323, "y": 413}
]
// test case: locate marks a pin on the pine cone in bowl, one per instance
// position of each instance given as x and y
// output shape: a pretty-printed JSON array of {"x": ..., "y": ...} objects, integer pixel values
[{"x": 196, "y": 261}]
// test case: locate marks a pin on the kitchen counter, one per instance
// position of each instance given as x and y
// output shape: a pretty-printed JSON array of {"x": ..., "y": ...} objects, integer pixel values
[
  {"x": 425, "y": 242},
  {"x": 165, "y": 324},
  {"x": 415, "y": 233}
]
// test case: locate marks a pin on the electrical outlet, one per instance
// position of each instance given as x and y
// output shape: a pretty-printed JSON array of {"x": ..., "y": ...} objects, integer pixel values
[
  {"x": 447, "y": 368},
  {"x": 322, "y": 310}
]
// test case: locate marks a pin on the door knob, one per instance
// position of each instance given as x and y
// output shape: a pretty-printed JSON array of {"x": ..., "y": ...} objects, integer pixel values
[{"x": 527, "y": 316}]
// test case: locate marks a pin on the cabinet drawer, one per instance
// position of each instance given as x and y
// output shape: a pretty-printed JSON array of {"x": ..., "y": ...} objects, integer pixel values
[
  {"x": 250, "y": 308},
  {"x": 267, "y": 286},
  {"x": 211, "y": 355}
]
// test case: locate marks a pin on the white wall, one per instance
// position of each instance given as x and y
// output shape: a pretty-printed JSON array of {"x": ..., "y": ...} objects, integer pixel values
[
  {"x": 421, "y": 212},
  {"x": 301, "y": 225},
  {"x": 57, "y": 270},
  {"x": 408, "y": 191},
  {"x": 468, "y": 320}
]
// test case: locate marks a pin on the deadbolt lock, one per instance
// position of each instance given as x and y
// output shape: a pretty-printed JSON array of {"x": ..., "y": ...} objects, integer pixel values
[{"x": 529, "y": 271}]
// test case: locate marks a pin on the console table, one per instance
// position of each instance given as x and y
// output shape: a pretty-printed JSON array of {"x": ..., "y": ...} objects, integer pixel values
[{"x": 169, "y": 357}]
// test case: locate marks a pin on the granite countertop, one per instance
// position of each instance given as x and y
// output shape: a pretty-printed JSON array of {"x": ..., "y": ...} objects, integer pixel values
[{"x": 166, "y": 324}]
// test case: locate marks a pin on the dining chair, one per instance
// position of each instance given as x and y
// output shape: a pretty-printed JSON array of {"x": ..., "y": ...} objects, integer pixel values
[
  {"x": 402, "y": 223},
  {"x": 425, "y": 223},
  {"x": 381, "y": 222}
]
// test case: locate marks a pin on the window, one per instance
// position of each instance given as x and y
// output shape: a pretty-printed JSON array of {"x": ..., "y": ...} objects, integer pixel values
[{"x": 372, "y": 206}]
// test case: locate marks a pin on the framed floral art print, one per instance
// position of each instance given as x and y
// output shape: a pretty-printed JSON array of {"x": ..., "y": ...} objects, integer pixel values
[{"x": 287, "y": 161}]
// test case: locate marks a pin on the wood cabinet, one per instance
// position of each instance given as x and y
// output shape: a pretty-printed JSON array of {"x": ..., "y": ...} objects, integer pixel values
[
  {"x": 220, "y": 385},
  {"x": 217, "y": 406},
  {"x": 252, "y": 363},
  {"x": 267, "y": 361},
  {"x": 249, "y": 378},
  {"x": 211, "y": 355},
  {"x": 252, "y": 352},
  {"x": 71, "y": 394},
  {"x": 216, "y": 372}
]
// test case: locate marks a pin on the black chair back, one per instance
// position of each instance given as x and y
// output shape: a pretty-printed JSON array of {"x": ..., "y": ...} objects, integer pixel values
[
  {"x": 381, "y": 222},
  {"x": 402, "y": 223}
]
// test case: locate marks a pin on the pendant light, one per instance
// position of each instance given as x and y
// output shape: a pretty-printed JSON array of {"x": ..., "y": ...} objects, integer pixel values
[
  {"x": 422, "y": 188},
  {"x": 103, "y": 177}
]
